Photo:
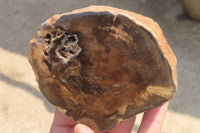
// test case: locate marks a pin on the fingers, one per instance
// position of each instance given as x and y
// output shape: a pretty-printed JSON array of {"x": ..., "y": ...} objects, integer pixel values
[
  {"x": 62, "y": 119},
  {"x": 153, "y": 119},
  {"x": 124, "y": 126},
  {"x": 62, "y": 123},
  {"x": 59, "y": 129},
  {"x": 80, "y": 128}
]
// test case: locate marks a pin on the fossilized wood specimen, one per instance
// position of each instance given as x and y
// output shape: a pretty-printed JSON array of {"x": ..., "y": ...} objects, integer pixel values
[{"x": 101, "y": 65}]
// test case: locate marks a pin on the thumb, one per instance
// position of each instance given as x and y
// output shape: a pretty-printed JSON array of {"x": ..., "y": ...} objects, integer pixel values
[{"x": 80, "y": 128}]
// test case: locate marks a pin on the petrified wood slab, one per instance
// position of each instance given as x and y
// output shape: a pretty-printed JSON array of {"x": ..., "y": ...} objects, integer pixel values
[{"x": 101, "y": 65}]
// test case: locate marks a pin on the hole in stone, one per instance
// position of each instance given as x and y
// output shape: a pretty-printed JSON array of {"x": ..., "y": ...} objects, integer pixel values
[
  {"x": 45, "y": 53},
  {"x": 63, "y": 52},
  {"x": 71, "y": 52},
  {"x": 71, "y": 39},
  {"x": 47, "y": 38},
  {"x": 63, "y": 49},
  {"x": 66, "y": 45}
]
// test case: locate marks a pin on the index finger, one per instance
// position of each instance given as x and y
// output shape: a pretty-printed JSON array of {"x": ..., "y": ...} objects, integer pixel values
[
  {"x": 62, "y": 123},
  {"x": 153, "y": 119}
]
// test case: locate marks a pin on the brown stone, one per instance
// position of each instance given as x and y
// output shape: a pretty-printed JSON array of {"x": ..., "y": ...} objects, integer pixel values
[{"x": 101, "y": 65}]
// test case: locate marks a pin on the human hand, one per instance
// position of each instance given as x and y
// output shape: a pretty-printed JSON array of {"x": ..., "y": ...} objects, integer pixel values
[{"x": 152, "y": 122}]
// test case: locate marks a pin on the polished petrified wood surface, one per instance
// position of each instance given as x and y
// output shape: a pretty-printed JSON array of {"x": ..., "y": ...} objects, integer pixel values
[{"x": 101, "y": 65}]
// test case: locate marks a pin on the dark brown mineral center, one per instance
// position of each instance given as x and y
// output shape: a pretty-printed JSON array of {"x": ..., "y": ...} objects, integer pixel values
[{"x": 101, "y": 65}]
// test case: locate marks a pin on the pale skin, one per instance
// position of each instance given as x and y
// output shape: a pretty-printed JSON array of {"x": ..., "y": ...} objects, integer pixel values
[{"x": 151, "y": 123}]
